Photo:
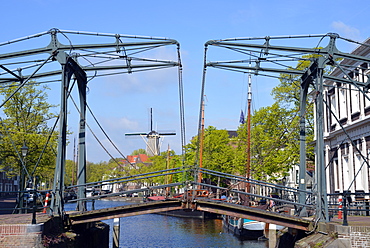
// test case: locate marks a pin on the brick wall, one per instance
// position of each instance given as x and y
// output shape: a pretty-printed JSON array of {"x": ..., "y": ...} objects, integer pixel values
[
  {"x": 360, "y": 236},
  {"x": 21, "y": 235}
]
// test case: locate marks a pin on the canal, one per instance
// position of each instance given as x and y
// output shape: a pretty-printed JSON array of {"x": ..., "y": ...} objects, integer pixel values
[{"x": 154, "y": 230}]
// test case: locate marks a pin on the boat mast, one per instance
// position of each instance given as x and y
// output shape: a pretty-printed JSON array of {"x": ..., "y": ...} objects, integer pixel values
[
  {"x": 201, "y": 147},
  {"x": 248, "y": 162},
  {"x": 168, "y": 166}
]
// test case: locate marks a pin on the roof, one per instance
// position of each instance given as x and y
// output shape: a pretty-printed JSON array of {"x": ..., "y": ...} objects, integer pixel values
[{"x": 135, "y": 159}]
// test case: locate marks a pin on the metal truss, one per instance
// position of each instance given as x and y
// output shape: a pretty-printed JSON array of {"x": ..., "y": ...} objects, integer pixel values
[
  {"x": 272, "y": 56},
  {"x": 83, "y": 56}
]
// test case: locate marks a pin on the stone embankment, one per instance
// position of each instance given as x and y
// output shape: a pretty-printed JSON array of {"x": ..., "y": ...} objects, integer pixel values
[{"x": 335, "y": 235}]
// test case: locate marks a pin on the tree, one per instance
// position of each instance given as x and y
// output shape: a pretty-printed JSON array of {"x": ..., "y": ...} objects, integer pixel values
[
  {"x": 70, "y": 177},
  {"x": 271, "y": 142},
  {"x": 287, "y": 95},
  {"x": 139, "y": 151},
  {"x": 218, "y": 152},
  {"x": 275, "y": 129},
  {"x": 166, "y": 160},
  {"x": 26, "y": 123},
  {"x": 99, "y": 171}
]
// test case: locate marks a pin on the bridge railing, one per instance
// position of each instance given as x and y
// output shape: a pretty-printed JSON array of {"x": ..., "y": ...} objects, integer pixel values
[
  {"x": 277, "y": 195},
  {"x": 282, "y": 197},
  {"x": 143, "y": 179},
  {"x": 347, "y": 203}
]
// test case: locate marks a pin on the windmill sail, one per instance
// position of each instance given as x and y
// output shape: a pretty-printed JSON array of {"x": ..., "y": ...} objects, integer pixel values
[{"x": 152, "y": 138}]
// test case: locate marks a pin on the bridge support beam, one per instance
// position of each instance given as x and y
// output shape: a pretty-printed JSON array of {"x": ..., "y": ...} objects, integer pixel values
[
  {"x": 306, "y": 80},
  {"x": 322, "y": 212},
  {"x": 116, "y": 232},
  {"x": 69, "y": 68},
  {"x": 57, "y": 204}
]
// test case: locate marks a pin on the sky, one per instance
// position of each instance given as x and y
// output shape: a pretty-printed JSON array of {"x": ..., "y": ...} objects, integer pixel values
[{"x": 122, "y": 103}]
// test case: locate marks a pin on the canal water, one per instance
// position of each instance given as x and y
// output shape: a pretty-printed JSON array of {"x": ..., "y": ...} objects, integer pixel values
[{"x": 154, "y": 230}]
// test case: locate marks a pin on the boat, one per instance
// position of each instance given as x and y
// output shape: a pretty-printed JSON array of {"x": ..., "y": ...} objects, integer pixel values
[{"x": 246, "y": 228}]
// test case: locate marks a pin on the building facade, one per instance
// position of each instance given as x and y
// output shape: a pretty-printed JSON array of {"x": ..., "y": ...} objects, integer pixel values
[
  {"x": 8, "y": 184},
  {"x": 347, "y": 127}
]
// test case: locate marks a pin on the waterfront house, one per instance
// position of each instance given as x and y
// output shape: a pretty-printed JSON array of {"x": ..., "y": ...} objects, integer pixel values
[
  {"x": 347, "y": 127},
  {"x": 133, "y": 161}
]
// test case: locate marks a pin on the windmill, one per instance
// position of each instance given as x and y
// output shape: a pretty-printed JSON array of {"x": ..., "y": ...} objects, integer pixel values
[{"x": 152, "y": 138}]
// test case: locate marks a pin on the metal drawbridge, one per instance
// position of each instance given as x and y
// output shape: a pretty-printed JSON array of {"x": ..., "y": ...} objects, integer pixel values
[{"x": 76, "y": 63}]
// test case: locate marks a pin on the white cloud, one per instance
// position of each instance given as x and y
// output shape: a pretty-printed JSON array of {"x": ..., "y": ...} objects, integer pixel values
[{"x": 346, "y": 31}]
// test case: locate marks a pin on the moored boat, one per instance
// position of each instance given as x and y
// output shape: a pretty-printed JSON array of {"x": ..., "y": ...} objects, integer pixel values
[{"x": 244, "y": 229}]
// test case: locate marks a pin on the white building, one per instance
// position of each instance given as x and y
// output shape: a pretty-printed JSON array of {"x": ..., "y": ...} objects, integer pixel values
[{"x": 347, "y": 148}]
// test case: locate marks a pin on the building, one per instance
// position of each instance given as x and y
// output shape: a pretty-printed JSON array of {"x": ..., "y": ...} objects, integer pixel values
[
  {"x": 136, "y": 159},
  {"x": 347, "y": 127},
  {"x": 8, "y": 184}
]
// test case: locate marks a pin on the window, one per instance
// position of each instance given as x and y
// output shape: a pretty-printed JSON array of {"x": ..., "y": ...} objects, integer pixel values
[
  {"x": 337, "y": 174},
  {"x": 342, "y": 104},
  {"x": 333, "y": 107},
  {"x": 347, "y": 172},
  {"x": 355, "y": 100},
  {"x": 360, "y": 172}
]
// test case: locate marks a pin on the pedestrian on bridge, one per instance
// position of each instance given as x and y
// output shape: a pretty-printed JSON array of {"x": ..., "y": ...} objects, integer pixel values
[{"x": 272, "y": 204}]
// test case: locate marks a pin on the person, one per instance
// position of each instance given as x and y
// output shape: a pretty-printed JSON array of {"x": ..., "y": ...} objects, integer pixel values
[
  {"x": 272, "y": 204},
  {"x": 223, "y": 197}
]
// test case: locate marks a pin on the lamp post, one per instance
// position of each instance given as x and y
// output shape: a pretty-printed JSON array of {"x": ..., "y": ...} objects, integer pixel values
[
  {"x": 35, "y": 182},
  {"x": 24, "y": 151}
]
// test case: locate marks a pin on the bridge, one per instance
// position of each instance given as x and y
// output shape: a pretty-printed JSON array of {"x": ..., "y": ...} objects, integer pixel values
[
  {"x": 218, "y": 207},
  {"x": 296, "y": 205},
  {"x": 193, "y": 199}
]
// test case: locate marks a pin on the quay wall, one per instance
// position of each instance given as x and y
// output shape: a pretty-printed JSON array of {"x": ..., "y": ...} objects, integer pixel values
[
  {"x": 50, "y": 234},
  {"x": 358, "y": 236},
  {"x": 21, "y": 235},
  {"x": 331, "y": 235}
]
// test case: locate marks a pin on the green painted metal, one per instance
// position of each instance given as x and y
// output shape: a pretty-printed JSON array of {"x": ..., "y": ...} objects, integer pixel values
[
  {"x": 323, "y": 56},
  {"x": 66, "y": 56}
]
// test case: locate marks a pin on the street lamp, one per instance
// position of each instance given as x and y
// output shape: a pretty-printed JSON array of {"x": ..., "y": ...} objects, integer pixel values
[{"x": 24, "y": 150}]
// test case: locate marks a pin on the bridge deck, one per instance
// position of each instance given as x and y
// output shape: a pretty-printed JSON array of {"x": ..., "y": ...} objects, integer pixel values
[
  {"x": 245, "y": 212},
  {"x": 124, "y": 211},
  {"x": 200, "y": 204}
]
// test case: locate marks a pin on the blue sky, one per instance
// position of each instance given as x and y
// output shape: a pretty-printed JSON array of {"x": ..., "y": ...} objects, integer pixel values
[{"x": 122, "y": 104}]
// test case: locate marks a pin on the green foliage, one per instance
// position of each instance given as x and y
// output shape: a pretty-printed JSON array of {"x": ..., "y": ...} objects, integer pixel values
[
  {"x": 99, "y": 171},
  {"x": 27, "y": 115},
  {"x": 139, "y": 151},
  {"x": 271, "y": 142},
  {"x": 71, "y": 173},
  {"x": 166, "y": 160},
  {"x": 275, "y": 129},
  {"x": 219, "y": 152}
]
